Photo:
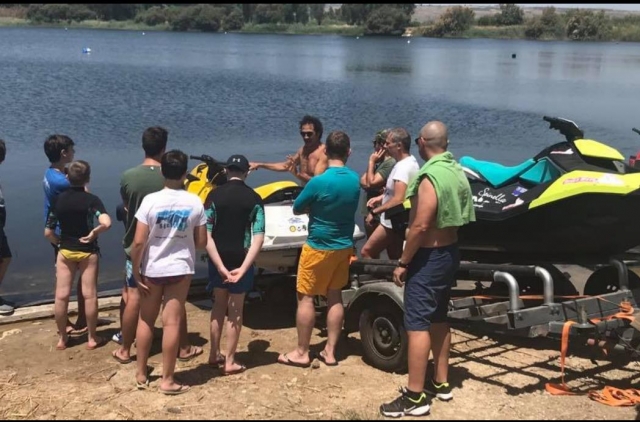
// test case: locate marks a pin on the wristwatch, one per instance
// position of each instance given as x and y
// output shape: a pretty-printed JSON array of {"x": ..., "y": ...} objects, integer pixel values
[{"x": 402, "y": 264}]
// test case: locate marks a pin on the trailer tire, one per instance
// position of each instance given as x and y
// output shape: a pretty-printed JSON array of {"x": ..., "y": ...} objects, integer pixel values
[
  {"x": 605, "y": 280},
  {"x": 384, "y": 339}
]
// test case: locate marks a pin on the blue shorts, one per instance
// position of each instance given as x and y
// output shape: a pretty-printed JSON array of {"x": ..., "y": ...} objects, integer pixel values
[
  {"x": 129, "y": 281},
  {"x": 244, "y": 285},
  {"x": 430, "y": 277}
]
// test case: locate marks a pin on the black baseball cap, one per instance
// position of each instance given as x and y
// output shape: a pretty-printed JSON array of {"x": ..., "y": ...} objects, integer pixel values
[{"x": 238, "y": 161}]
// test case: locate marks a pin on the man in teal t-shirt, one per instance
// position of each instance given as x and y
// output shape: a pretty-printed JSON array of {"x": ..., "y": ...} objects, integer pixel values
[{"x": 331, "y": 199}]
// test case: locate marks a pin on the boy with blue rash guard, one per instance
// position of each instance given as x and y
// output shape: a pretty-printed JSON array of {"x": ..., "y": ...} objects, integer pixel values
[
  {"x": 60, "y": 151},
  {"x": 331, "y": 199}
]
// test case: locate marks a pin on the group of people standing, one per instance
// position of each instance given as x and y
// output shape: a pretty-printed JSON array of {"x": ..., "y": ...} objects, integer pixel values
[
  {"x": 412, "y": 212},
  {"x": 422, "y": 237}
]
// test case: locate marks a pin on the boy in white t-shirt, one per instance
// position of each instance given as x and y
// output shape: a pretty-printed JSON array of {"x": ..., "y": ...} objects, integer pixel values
[
  {"x": 397, "y": 145},
  {"x": 170, "y": 226}
]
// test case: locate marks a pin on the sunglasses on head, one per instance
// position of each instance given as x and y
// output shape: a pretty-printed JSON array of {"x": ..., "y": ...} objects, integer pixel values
[{"x": 307, "y": 134}]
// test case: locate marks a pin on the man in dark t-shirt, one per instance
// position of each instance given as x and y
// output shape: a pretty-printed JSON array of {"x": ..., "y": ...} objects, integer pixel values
[{"x": 235, "y": 233}]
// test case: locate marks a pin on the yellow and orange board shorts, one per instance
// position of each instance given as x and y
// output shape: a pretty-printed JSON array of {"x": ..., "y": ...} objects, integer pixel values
[{"x": 320, "y": 270}]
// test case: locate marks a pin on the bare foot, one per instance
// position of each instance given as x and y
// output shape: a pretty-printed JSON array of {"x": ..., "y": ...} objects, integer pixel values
[
  {"x": 62, "y": 343},
  {"x": 94, "y": 343}
]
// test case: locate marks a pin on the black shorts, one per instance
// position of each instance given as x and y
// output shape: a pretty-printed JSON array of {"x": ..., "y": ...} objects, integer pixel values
[
  {"x": 55, "y": 253},
  {"x": 430, "y": 277},
  {"x": 5, "y": 251}
]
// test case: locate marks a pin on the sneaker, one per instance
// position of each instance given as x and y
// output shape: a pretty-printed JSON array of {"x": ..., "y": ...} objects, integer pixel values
[
  {"x": 406, "y": 406},
  {"x": 117, "y": 337},
  {"x": 440, "y": 391},
  {"x": 5, "y": 309}
]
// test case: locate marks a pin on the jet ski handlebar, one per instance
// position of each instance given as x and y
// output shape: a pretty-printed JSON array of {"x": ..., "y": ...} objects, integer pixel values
[
  {"x": 636, "y": 130},
  {"x": 566, "y": 127}
]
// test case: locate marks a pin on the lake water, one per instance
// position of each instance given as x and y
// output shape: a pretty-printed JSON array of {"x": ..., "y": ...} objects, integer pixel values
[{"x": 222, "y": 94}]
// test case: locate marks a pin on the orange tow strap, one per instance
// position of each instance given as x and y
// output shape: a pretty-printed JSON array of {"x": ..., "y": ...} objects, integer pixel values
[{"x": 608, "y": 395}]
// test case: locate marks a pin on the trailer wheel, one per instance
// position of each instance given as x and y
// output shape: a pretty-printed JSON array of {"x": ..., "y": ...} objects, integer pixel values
[
  {"x": 605, "y": 280},
  {"x": 384, "y": 339}
]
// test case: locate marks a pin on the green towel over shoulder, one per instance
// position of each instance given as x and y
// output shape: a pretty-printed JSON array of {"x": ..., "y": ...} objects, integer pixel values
[{"x": 455, "y": 201}]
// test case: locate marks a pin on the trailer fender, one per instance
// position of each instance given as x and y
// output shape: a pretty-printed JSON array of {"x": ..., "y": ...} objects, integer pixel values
[{"x": 368, "y": 296}]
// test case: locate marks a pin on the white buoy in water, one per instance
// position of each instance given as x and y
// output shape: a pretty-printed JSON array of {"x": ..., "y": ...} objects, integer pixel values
[
  {"x": 357, "y": 38},
  {"x": 86, "y": 50},
  {"x": 143, "y": 33},
  {"x": 408, "y": 41}
]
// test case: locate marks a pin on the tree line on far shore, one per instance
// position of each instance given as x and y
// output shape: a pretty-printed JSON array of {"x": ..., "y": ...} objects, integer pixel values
[
  {"x": 575, "y": 24},
  {"x": 383, "y": 19},
  {"x": 374, "y": 19}
]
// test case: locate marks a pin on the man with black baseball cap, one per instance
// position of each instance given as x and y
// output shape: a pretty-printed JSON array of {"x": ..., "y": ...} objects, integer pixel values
[{"x": 235, "y": 233}]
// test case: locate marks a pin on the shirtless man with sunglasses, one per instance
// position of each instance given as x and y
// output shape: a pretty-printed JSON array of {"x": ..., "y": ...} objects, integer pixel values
[{"x": 310, "y": 160}]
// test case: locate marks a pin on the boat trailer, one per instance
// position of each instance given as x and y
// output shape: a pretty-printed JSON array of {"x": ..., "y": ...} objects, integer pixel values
[{"x": 374, "y": 307}]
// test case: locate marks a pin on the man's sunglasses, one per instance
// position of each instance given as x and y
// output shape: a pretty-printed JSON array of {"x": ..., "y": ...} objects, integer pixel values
[
  {"x": 417, "y": 140},
  {"x": 307, "y": 134}
]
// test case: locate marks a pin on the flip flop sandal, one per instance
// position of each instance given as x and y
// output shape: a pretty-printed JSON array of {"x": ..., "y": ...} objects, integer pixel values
[
  {"x": 218, "y": 362},
  {"x": 235, "y": 371},
  {"x": 294, "y": 364},
  {"x": 183, "y": 389},
  {"x": 119, "y": 359},
  {"x": 323, "y": 359},
  {"x": 142, "y": 385},
  {"x": 190, "y": 356}
]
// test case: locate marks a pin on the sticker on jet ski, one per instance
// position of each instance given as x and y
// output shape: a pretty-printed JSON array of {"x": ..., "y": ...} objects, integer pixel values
[
  {"x": 489, "y": 199},
  {"x": 606, "y": 179}
]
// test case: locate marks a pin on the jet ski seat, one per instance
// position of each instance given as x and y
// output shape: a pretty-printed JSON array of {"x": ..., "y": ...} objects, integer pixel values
[{"x": 496, "y": 174}]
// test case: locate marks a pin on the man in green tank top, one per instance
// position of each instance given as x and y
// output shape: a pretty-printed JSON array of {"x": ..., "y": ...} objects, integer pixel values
[{"x": 441, "y": 201}]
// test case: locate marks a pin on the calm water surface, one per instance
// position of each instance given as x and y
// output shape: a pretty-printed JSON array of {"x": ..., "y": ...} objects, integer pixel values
[{"x": 225, "y": 94}]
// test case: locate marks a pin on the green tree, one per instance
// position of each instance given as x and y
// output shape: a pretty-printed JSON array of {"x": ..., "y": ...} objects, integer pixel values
[
  {"x": 247, "y": 12},
  {"x": 510, "y": 14},
  {"x": 454, "y": 21},
  {"x": 486, "y": 20},
  {"x": 317, "y": 12},
  {"x": 269, "y": 13},
  {"x": 534, "y": 29},
  {"x": 549, "y": 18},
  {"x": 233, "y": 21},
  {"x": 387, "y": 20},
  {"x": 118, "y": 12},
  {"x": 587, "y": 25},
  {"x": 354, "y": 14}
]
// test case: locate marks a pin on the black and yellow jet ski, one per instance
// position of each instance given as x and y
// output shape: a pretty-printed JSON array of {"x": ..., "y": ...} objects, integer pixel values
[
  {"x": 285, "y": 233},
  {"x": 576, "y": 201}
]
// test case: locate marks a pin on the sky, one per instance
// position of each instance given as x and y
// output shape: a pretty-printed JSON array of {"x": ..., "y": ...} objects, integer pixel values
[{"x": 635, "y": 7}]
